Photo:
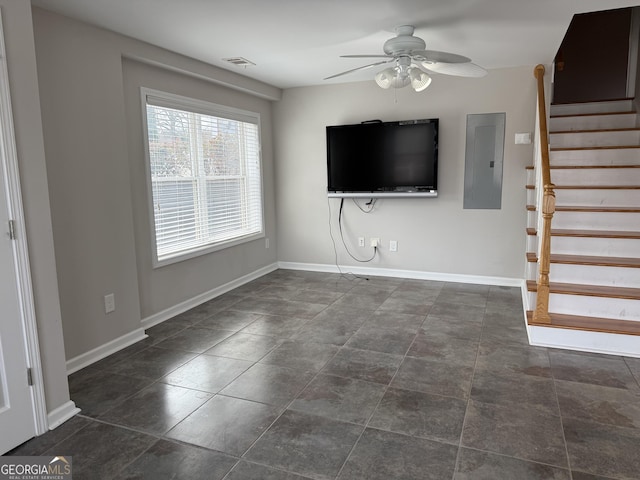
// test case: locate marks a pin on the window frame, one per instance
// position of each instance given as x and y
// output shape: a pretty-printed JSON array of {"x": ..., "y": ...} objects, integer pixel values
[{"x": 188, "y": 104}]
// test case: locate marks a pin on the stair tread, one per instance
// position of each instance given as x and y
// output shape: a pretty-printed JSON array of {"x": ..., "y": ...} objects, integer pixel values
[
  {"x": 598, "y": 130},
  {"x": 623, "y": 112},
  {"x": 593, "y": 324},
  {"x": 595, "y": 166},
  {"x": 598, "y": 208},
  {"x": 596, "y": 187},
  {"x": 589, "y": 290},
  {"x": 599, "y": 147},
  {"x": 560, "y": 232},
  {"x": 595, "y": 233},
  {"x": 593, "y": 260},
  {"x": 606, "y": 100}
]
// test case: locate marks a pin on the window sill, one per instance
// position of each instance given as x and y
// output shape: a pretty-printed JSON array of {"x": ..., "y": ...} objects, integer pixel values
[{"x": 204, "y": 250}]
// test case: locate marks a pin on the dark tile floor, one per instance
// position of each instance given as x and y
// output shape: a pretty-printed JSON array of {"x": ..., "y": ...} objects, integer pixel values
[{"x": 302, "y": 375}]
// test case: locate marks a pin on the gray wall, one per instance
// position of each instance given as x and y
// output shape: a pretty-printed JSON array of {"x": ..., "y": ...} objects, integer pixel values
[
  {"x": 23, "y": 83},
  {"x": 157, "y": 287},
  {"x": 94, "y": 151},
  {"x": 434, "y": 235}
]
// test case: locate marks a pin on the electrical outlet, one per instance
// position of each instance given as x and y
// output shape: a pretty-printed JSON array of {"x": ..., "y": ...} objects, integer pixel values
[
  {"x": 109, "y": 303},
  {"x": 266, "y": 242},
  {"x": 375, "y": 242},
  {"x": 361, "y": 241},
  {"x": 393, "y": 245}
]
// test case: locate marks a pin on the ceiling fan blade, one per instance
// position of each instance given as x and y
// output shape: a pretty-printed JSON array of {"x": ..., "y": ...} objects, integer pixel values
[
  {"x": 457, "y": 69},
  {"x": 366, "y": 56},
  {"x": 358, "y": 68},
  {"x": 438, "y": 57}
]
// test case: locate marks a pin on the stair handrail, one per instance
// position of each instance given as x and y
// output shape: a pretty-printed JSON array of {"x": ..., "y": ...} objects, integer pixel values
[{"x": 548, "y": 207}]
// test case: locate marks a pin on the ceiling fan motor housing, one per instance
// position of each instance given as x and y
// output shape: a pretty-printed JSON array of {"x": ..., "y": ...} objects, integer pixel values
[{"x": 404, "y": 43}]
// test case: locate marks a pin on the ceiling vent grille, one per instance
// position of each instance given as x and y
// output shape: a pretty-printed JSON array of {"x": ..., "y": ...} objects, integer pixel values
[{"x": 239, "y": 61}]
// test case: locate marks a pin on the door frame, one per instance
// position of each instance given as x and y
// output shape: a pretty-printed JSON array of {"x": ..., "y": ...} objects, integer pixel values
[{"x": 9, "y": 163}]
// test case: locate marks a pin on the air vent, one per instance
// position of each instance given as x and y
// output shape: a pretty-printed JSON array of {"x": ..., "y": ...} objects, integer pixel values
[{"x": 239, "y": 61}]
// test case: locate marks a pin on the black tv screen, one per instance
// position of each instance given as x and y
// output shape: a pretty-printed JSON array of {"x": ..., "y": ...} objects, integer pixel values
[{"x": 383, "y": 159}]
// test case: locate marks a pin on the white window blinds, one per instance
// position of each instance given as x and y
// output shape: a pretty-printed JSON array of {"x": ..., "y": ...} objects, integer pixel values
[{"x": 204, "y": 167}]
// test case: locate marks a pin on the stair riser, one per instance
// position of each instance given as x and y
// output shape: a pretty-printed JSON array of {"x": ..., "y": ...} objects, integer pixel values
[
  {"x": 596, "y": 176},
  {"x": 531, "y": 272},
  {"x": 531, "y": 176},
  {"x": 616, "y": 156},
  {"x": 595, "y": 275},
  {"x": 594, "y": 139},
  {"x": 593, "y": 122},
  {"x": 588, "y": 198},
  {"x": 620, "y": 309},
  {"x": 599, "y": 247},
  {"x": 596, "y": 221},
  {"x": 594, "y": 107}
]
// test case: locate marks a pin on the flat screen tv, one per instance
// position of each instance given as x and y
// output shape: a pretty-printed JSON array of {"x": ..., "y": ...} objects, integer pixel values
[{"x": 383, "y": 159}]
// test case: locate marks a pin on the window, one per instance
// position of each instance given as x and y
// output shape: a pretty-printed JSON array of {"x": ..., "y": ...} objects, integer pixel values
[{"x": 203, "y": 164}]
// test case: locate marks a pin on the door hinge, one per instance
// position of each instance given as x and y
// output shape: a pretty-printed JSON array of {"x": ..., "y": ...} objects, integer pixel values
[
  {"x": 12, "y": 229},
  {"x": 30, "y": 376}
]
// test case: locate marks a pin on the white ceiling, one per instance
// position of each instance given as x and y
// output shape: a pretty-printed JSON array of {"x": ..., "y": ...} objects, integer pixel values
[{"x": 298, "y": 42}]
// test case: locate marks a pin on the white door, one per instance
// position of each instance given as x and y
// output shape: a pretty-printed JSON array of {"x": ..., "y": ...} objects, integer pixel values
[
  {"x": 18, "y": 421},
  {"x": 16, "y": 409}
]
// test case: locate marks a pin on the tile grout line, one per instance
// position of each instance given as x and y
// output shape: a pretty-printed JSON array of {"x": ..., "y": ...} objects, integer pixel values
[
  {"x": 373, "y": 411},
  {"x": 466, "y": 410},
  {"x": 504, "y": 455},
  {"x": 564, "y": 438},
  {"x": 364, "y": 427},
  {"x": 282, "y": 411},
  {"x": 637, "y": 379},
  {"x": 158, "y": 437}
]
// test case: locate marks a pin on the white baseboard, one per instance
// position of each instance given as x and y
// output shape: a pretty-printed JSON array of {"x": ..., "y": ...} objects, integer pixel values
[
  {"x": 171, "y": 312},
  {"x": 92, "y": 356},
  {"x": 61, "y": 414},
  {"x": 413, "y": 274},
  {"x": 98, "y": 353},
  {"x": 583, "y": 341}
]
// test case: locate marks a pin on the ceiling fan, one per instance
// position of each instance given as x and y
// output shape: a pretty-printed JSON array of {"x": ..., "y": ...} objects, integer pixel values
[{"x": 412, "y": 62}]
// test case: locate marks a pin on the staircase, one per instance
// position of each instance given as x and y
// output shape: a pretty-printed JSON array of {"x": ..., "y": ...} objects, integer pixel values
[{"x": 595, "y": 237}]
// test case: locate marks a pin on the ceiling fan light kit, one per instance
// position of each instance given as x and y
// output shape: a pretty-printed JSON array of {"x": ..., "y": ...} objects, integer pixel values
[
  {"x": 419, "y": 79},
  {"x": 397, "y": 77},
  {"x": 385, "y": 78},
  {"x": 408, "y": 52}
]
